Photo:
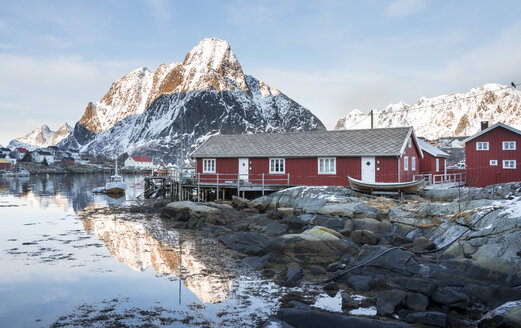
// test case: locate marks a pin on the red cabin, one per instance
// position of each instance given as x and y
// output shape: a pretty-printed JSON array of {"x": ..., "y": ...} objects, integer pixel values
[
  {"x": 434, "y": 162},
  {"x": 492, "y": 156},
  {"x": 310, "y": 158}
]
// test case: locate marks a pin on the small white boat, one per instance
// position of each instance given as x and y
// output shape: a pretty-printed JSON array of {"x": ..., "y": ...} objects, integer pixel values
[
  {"x": 22, "y": 173},
  {"x": 115, "y": 185}
]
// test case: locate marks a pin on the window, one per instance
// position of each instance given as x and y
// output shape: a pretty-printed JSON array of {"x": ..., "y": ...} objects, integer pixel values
[
  {"x": 493, "y": 162},
  {"x": 209, "y": 165},
  {"x": 277, "y": 165},
  {"x": 509, "y": 145},
  {"x": 437, "y": 164},
  {"x": 482, "y": 145},
  {"x": 327, "y": 165},
  {"x": 509, "y": 164},
  {"x": 410, "y": 143},
  {"x": 413, "y": 163},
  {"x": 406, "y": 163}
]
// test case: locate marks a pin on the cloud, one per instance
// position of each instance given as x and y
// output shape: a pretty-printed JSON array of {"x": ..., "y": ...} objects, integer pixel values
[{"x": 400, "y": 8}]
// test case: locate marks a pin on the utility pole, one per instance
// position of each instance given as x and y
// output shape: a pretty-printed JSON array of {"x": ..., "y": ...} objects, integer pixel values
[{"x": 371, "y": 113}]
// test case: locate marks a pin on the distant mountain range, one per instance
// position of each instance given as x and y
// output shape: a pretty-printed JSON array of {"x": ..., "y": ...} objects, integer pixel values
[
  {"x": 452, "y": 115},
  {"x": 41, "y": 137},
  {"x": 180, "y": 105}
]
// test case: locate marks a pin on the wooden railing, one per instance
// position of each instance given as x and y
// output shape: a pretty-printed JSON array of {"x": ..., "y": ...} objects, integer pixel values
[{"x": 459, "y": 178}]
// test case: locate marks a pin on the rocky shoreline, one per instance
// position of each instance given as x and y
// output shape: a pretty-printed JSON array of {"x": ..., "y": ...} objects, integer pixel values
[{"x": 415, "y": 262}]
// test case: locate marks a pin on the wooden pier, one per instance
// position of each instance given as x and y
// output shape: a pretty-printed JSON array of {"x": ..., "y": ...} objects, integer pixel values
[{"x": 194, "y": 187}]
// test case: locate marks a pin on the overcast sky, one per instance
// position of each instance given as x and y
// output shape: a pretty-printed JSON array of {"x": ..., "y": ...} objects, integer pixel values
[{"x": 330, "y": 56}]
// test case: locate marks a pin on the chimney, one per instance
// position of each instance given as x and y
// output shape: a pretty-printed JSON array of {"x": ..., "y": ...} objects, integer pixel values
[{"x": 484, "y": 125}]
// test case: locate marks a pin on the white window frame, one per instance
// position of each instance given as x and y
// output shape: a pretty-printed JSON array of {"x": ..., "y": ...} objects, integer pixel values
[
  {"x": 209, "y": 165},
  {"x": 273, "y": 165},
  {"x": 437, "y": 165},
  {"x": 413, "y": 163},
  {"x": 493, "y": 162},
  {"x": 507, "y": 164},
  {"x": 410, "y": 143},
  {"x": 483, "y": 144},
  {"x": 326, "y": 167},
  {"x": 509, "y": 145},
  {"x": 406, "y": 163}
]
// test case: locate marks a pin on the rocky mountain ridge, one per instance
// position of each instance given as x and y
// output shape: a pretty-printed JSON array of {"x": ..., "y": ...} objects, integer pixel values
[
  {"x": 42, "y": 137},
  {"x": 172, "y": 110},
  {"x": 452, "y": 115}
]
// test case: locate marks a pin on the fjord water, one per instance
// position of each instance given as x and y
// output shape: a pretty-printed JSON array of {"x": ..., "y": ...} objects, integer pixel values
[{"x": 70, "y": 258}]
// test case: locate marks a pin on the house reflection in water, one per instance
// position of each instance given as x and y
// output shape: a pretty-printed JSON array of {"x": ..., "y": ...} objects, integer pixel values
[{"x": 136, "y": 244}]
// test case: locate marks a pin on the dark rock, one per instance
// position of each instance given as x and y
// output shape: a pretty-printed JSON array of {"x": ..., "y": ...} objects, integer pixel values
[
  {"x": 240, "y": 226},
  {"x": 364, "y": 237},
  {"x": 424, "y": 243},
  {"x": 295, "y": 223},
  {"x": 276, "y": 228},
  {"x": 334, "y": 223},
  {"x": 451, "y": 297},
  {"x": 239, "y": 202},
  {"x": 251, "y": 210},
  {"x": 286, "y": 212},
  {"x": 358, "y": 283},
  {"x": 418, "y": 285},
  {"x": 274, "y": 322},
  {"x": 317, "y": 270},
  {"x": 293, "y": 275},
  {"x": 316, "y": 319},
  {"x": 330, "y": 286},
  {"x": 260, "y": 203},
  {"x": 417, "y": 302},
  {"x": 436, "y": 319},
  {"x": 507, "y": 315},
  {"x": 332, "y": 267},
  {"x": 250, "y": 243},
  {"x": 388, "y": 300},
  {"x": 372, "y": 225},
  {"x": 492, "y": 296},
  {"x": 299, "y": 305},
  {"x": 268, "y": 273},
  {"x": 356, "y": 301},
  {"x": 346, "y": 259},
  {"x": 256, "y": 262}
]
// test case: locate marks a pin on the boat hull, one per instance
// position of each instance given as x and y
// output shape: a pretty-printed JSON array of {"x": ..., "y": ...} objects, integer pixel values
[
  {"x": 411, "y": 186},
  {"x": 115, "y": 188}
]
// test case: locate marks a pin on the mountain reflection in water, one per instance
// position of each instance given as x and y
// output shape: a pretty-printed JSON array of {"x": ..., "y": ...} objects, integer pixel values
[{"x": 141, "y": 244}]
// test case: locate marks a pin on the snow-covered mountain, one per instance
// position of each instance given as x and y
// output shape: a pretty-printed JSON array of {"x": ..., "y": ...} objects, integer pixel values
[
  {"x": 182, "y": 104},
  {"x": 452, "y": 115},
  {"x": 42, "y": 137}
]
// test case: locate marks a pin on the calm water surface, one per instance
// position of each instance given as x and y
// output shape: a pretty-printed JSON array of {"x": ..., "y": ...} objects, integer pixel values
[{"x": 70, "y": 258}]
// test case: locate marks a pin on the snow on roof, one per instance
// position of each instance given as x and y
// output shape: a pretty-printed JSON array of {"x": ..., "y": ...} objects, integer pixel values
[
  {"x": 141, "y": 159},
  {"x": 497, "y": 125},
  {"x": 434, "y": 151},
  {"x": 354, "y": 143}
]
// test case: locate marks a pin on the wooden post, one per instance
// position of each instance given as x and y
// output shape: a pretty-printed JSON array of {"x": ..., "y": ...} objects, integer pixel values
[
  {"x": 217, "y": 186},
  {"x": 198, "y": 187},
  {"x": 262, "y": 184}
]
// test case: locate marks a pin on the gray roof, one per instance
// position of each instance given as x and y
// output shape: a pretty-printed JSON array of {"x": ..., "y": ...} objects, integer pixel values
[
  {"x": 497, "y": 125},
  {"x": 434, "y": 151},
  {"x": 348, "y": 143}
]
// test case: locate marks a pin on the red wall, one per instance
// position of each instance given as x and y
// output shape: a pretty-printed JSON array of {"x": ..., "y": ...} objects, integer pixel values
[
  {"x": 5, "y": 166},
  {"x": 479, "y": 171},
  {"x": 428, "y": 164},
  {"x": 302, "y": 171},
  {"x": 410, "y": 152}
]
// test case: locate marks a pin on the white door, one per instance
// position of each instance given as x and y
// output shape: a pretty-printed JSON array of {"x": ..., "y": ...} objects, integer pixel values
[
  {"x": 368, "y": 169},
  {"x": 243, "y": 169}
]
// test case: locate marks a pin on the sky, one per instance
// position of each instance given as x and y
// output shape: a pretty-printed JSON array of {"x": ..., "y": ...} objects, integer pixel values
[{"x": 330, "y": 56}]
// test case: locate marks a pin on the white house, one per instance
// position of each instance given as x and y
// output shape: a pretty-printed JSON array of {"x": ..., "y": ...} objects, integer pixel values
[
  {"x": 39, "y": 155},
  {"x": 20, "y": 152},
  {"x": 5, "y": 151},
  {"x": 139, "y": 162}
]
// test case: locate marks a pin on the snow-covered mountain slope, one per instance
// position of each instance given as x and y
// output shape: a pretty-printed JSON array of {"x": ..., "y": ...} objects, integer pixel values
[
  {"x": 206, "y": 94},
  {"x": 452, "y": 115},
  {"x": 42, "y": 137}
]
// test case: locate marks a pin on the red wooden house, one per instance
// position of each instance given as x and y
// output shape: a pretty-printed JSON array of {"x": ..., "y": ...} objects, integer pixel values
[
  {"x": 492, "y": 156},
  {"x": 434, "y": 161},
  {"x": 310, "y": 158}
]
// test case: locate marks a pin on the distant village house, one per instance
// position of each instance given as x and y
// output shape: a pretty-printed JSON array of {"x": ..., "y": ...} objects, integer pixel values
[
  {"x": 138, "y": 162},
  {"x": 39, "y": 156}
]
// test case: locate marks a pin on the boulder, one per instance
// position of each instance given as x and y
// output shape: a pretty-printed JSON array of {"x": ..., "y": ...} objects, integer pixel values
[
  {"x": 275, "y": 323},
  {"x": 316, "y": 319},
  {"x": 424, "y": 243},
  {"x": 286, "y": 212},
  {"x": 507, "y": 315},
  {"x": 250, "y": 243},
  {"x": 388, "y": 300},
  {"x": 295, "y": 223},
  {"x": 345, "y": 210},
  {"x": 260, "y": 203},
  {"x": 417, "y": 285},
  {"x": 417, "y": 302},
  {"x": 317, "y": 270},
  {"x": 313, "y": 247},
  {"x": 436, "y": 319},
  {"x": 451, "y": 297},
  {"x": 276, "y": 228},
  {"x": 293, "y": 275},
  {"x": 331, "y": 286},
  {"x": 492, "y": 295},
  {"x": 256, "y": 262},
  {"x": 332, "y": 267},
  {"x": 186, "y": 210},
  {"x": 363, "y": 237},
  {"x": 358, "y": 282},
  {"x": 372, "y": 225},
  {"x": 239, "y": 202},
  {"x": 334, "y": 223}
]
